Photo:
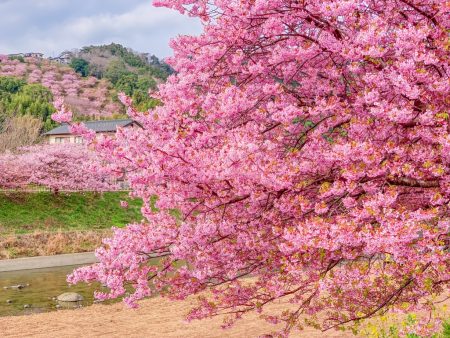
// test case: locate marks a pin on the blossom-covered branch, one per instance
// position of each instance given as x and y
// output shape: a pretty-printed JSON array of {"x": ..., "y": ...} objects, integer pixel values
[{"x": 305, "y": 144}]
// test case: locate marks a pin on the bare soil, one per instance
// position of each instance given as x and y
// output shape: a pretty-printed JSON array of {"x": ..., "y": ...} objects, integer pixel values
[{"x": 156, "y": 317}]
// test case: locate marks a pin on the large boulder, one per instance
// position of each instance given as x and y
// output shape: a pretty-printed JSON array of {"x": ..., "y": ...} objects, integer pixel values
[{"x": 70, "y": 297}]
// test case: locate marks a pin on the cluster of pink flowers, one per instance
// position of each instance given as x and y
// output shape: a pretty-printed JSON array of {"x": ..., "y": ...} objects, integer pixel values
[
  {"x": 55, "y": 166},
  {"x": 85, "y": 96},
  {"x": 305, "y": 144}
]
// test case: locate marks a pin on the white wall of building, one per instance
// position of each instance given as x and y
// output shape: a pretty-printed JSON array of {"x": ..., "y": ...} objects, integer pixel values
[{"x": 55, "y": 139}]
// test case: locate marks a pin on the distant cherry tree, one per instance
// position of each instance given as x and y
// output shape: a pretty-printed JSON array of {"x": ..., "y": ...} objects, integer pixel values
[
  {"x": 55, "y": 166},
  {"x": 13, "y": 174},
  {"x": 304, "y": 144}
]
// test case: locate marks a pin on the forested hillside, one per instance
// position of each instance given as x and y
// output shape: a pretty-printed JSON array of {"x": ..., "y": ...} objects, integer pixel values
[
  {"x": 88, "y": 97},
  {"x": 128, "y": 71},
  {"x": 89, "y": 81}
]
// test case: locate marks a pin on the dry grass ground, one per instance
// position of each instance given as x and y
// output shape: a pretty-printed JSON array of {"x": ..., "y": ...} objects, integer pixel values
[
  {"x": 160, "y": 318},
  {"x": 42, "y": 243},
  {"x": 156, "y": 317}
]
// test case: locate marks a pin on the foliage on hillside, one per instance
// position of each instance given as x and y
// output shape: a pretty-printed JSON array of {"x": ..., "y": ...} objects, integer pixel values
[
  {"x": 88, "y": 97},
  {"x": 127, "y": 70},
  {"x": 81, "y": 66},
  {"x": 89, "y": 84},
  {"x": 17, "y": 98},
  {"x": 100, "y": 56}
]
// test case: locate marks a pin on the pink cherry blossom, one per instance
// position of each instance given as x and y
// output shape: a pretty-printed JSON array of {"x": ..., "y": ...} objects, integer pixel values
[
  {"x": 55, "y": 166},
  {"x": 304, "y": 144}
]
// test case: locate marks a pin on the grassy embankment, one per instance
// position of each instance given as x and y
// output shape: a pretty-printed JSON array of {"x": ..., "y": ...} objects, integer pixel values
[{"x": 33, "y": 224}]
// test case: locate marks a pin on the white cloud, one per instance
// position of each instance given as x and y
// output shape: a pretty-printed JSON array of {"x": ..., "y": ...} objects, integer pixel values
[{"x": 52, "y": 26}]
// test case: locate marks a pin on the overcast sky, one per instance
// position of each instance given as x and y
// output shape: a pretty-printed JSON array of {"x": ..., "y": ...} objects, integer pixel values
[{"x": 52, "y": 26}]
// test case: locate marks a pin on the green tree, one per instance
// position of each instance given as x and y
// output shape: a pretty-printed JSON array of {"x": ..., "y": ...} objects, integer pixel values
[
  {"x": 11, "y": 84},
  {"x": 18, "y": 99},
  {"x": 17, "y": 57},
  {"x": 115, "y": 70},
  {"x": 127, "y": 83},
  {"x": 145, "y": 83},
  {"x": 37, "y": 92},
  {"x": 81, "y": 66},
  {"x": 142, "y": 101}
]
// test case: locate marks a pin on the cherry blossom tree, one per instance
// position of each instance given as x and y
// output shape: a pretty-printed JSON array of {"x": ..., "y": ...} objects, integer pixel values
[
  {"x": 14, "y": 174},
  {"x": 304, "y": 144},
  {"x": 66, "y": 167},
  {"x": 58, "y": 167}
]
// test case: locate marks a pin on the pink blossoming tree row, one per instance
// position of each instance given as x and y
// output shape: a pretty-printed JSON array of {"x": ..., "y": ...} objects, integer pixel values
[
  {"x": 57, "y": 167},
  {"x": 304, "y": 144}
]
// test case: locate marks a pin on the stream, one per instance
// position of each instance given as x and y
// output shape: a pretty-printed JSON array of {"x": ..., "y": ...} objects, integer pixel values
[{"x": 42, "y": 286}]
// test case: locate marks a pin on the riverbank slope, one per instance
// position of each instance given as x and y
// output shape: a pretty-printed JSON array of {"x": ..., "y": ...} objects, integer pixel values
[{"x": 42, "y": 223}]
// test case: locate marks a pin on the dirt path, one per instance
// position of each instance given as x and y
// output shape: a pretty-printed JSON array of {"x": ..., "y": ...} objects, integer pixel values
[{"x": 156, "y": 317}]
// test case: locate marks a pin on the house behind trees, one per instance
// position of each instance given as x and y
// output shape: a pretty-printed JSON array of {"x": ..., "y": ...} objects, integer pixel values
[{"x": 62, "y": 134}]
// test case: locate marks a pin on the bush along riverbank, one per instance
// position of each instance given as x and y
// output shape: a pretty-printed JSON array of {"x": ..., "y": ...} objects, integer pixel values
[{"x": 34, "y": 224}]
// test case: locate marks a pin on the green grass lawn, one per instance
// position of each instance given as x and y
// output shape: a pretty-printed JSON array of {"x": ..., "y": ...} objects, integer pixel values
[{"x": 27, "y": 212}]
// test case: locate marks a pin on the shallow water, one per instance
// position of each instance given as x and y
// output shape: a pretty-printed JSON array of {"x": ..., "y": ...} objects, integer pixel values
[{"x": 44, "y": 286}]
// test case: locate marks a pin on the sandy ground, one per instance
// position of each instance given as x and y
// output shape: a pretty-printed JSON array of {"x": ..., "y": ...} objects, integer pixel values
[{"x": 155, "y": 317}]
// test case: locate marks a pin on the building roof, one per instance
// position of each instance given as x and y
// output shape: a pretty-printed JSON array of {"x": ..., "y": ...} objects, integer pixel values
[{"x": 103, "y": 126}]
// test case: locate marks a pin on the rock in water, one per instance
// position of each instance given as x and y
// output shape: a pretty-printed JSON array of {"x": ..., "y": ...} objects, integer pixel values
[
  {"x": 70, "y": 297},
  {"x": 18, "y": 286}
]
